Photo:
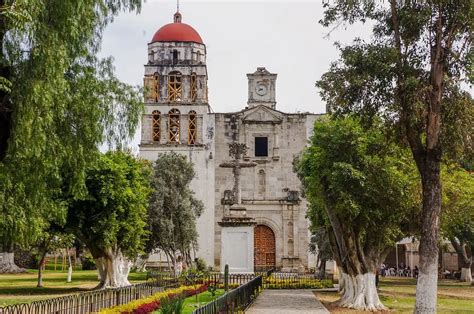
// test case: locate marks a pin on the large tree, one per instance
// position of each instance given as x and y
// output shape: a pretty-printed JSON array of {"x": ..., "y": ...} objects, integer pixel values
[
  {"x": 410, "y": 73},
  {"x": 58, "y": 103},
  {"x": 173, "y": 209},
  {"x": 111, "y": 218},
  {"x": 457, "y": 220},
  {"x": 360, "y": 186}
]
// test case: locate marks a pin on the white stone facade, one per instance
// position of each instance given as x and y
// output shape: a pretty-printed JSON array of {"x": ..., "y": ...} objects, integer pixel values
[{"x": 270, "y": 190}]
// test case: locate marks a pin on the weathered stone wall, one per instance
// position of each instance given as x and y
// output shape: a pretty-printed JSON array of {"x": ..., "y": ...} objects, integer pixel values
[
  {"x": 201, "y": 155},
  {"x": 265, "y": 188}
]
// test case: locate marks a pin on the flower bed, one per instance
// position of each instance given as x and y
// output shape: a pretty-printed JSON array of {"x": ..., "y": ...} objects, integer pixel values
[
  {"x": 296, "y": 283},
  {"x": 152, "y": 303}
]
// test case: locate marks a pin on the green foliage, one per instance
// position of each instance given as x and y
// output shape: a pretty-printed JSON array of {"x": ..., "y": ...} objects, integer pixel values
[
  {"x": 457, "y": 220},
  {"x": 296, "y": 283},
  {"x": 88, "y": 262},
  {"x": 112, "y": 215},
  {"x": 173, "y": 209},
  {"x": 212, "y": 290},
  {"x": 201, "y": 264},
  {"x": 58, "y": 103},
  {"x": 392, "y": 74},
  {"x": 359, "y": 185},
  {"x": 319, "y": 243},
  {"x": 172, "y": 305}
]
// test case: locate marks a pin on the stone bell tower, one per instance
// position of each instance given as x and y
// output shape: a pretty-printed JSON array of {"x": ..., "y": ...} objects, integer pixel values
[
  {"x": 175, "y": 85},
  {"x": 177, "y": 115}
]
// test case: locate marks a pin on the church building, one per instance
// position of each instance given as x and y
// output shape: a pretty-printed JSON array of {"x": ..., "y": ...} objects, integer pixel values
[{"x": 254, "y": 217}]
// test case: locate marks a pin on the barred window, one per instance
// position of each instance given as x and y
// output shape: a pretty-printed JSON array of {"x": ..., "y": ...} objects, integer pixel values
[
  {"x": 152, "y": 87},
  {"x": 192, "y": 129},
  {"x": 194, "y": 88},
  {"x": 173, "y": 125},
  {"x": 175, "y": 88},
  {"x": 156, "y": 125}
]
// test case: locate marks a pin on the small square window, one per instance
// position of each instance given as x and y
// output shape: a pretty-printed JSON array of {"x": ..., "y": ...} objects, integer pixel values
[{"x": 261, "y": 146}]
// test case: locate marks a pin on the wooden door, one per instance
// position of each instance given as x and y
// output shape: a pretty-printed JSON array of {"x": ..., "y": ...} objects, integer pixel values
[{"x": 264, "y": 248}]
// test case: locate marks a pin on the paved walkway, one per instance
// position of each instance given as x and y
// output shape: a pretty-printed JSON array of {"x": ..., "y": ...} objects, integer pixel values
[{"x": 287, "y": 302}]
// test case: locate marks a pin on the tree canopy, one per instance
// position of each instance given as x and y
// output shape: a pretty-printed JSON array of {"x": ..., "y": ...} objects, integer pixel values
[
  {"x": 173, "y": 209},
  {"x": 111, "y": 218},
  {"x": 58, "y": 103},
  {"x": 457, "y": 219}
]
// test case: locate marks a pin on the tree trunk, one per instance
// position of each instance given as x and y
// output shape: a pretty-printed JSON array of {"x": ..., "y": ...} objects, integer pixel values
[
  {"x": 6, "y": 108},
  {"x": 426, "y": 288},
  {"x": 357, "y": 279},
  {"x": 113, "y": 270},
  {"x": 322, "y": 268},
  {"x": 465, "y": 261},
  {"x": 40, "y": 270},
  {"x": 360, "y": 293},
  {"x": 69, "y": 270},
  {"x": 466, "y": 274},
  {"x": 7, "y": 264}
]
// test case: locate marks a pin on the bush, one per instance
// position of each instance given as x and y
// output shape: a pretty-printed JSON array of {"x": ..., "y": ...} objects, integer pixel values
[
  {"x": 88, "y": 262},
  {"x": 26, "y": 259},
  {"x": 296, "y": 283},
  {"x": 172, "y": 306},
  {"x": 200, "y": 264}
]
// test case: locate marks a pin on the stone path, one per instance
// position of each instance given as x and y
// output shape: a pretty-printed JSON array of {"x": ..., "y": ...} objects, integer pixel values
[{"x": 287, "y": 302}]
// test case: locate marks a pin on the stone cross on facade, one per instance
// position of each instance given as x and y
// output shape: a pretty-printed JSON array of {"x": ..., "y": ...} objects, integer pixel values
[{"x": 237, "y": 151}]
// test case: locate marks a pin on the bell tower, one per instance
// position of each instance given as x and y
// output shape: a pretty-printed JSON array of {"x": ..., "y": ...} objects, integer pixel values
[
  {"x": 177, "y": 116},
  {"x": 175, "y": 86}
]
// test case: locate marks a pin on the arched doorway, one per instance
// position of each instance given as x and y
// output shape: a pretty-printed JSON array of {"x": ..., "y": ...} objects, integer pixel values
[{"x": 264, "y": 248}]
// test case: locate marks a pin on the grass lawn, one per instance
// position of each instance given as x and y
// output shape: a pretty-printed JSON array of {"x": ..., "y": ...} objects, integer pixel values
[
  {"x": 398, "y": 294},
  {"x": 21, "y": 288},
  {"x": 190, "y": 303}
]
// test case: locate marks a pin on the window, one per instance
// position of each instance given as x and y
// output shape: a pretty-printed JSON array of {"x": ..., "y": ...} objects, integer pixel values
[
  {"x": 156, "y": 126},
  {"x": 193, "y": 87},
  {"x": 152, "y": 87},
  {"x": 192, "y": 129},
  {"x": 173, "y": 125},
  {"x": 175, "y": 56},
  {"x": 175, "y": 89},
  {"x": 261, "y": 146}
]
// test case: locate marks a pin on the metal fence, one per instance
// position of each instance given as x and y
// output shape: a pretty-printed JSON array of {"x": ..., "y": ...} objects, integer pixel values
[
  {"x": 235, "y": 300},
  {"x": 86, "y": 302},
  {"x": 212, "y": 278},
  {"x": 275, "y": 280},
  {"x": 246, "y": 288}
]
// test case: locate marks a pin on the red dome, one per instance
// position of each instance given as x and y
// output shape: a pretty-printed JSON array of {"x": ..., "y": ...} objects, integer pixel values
[{"x": 177, "y": 32}]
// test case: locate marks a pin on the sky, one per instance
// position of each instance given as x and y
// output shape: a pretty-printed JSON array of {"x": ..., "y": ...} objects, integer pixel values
[{"x": 283, "y": 36}]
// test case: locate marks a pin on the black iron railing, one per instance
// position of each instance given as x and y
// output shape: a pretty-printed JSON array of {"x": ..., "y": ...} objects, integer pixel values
[
  {"x": 246, "y": 288},
  {"x": 212, "y": 278},
  {"x": 87, "y": 302},
  {"x": 235, "y": 300}
]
